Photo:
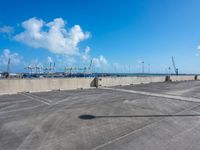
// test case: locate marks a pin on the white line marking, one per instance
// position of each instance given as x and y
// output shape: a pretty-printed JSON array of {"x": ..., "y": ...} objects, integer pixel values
[
  {"x": 35, "y": 96},
  {"x": 134, "y": 131},
  {"x": 35, "y": 99},
  {"x": 156, "y": 95},
  {"x": 64, "y": 100},
  {"x": 28, "y": 108}
]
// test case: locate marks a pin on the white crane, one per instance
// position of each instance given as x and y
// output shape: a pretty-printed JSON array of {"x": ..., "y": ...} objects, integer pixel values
[
  {"x": 70, "y": 69},
  {"x": 174, "y": 66}
]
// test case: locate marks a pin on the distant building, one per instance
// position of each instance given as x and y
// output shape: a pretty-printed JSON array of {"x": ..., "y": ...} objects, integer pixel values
[{"x": 10, "y": 75}]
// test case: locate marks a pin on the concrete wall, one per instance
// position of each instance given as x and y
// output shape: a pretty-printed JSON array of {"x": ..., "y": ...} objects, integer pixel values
[
  {"x": 198, "y": 77},
  {"x": 182, "y": 78},
  {"x": 113, "y": 81},
  {"x": 9, "y": 86}
]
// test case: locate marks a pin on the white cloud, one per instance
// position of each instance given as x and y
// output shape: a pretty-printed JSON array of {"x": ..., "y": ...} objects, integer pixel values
[
  {"x": 14, "y": 57},
  {"x": 52, "y": 36},
  {"x": 58, "y": 39},
  {"x": 6, "y": 29},
  {"x": 100, "y": 61},
  {"x": 97, "y": 61},
  {"x": 198, "y": 52},
  {"x": 86, "y": 56},
  {"x": 65, "y": 60}
]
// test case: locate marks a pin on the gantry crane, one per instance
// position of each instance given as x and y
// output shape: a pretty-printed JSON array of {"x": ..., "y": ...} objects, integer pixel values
[
  {"x": 84, "y": 69},
  {"x": 174, "y": 66}
]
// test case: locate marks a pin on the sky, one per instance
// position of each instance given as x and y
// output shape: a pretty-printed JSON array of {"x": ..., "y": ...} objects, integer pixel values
[{"x": 116, "y": 34}]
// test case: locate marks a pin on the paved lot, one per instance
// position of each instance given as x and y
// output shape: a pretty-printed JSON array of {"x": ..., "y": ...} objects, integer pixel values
[{"x": 156, "y": 116}]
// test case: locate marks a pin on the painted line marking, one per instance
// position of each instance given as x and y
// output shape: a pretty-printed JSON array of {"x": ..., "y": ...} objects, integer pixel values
[
  {"x": 63, "y": 100},
  {"x": 155, "y": 94},
  {"x": 28, "y": 108},
  {"x": 47, "y": 103},
  {"x": 38, "y": 97},
  {"x": 137, "y": 130}
]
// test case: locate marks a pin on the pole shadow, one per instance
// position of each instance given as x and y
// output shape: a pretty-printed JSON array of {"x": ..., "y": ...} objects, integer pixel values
[{"x": 90, "y": 117}]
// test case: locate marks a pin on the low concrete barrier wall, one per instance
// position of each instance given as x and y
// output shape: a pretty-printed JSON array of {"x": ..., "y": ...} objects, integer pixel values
[
  {"x": 9, "y": 86},
  {"x": 197, "y": 77},
  {"x": 182, "y": 78},
  {"x": 113, "y": 81}
]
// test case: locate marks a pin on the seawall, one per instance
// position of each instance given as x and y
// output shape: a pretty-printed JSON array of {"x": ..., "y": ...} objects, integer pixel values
[{"x": 11, "y": 86}]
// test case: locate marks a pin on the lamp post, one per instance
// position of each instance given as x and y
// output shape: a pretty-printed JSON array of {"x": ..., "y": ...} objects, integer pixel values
[
  {"x": 149, "y": 68},
  {"x": 142, "y": 67}
]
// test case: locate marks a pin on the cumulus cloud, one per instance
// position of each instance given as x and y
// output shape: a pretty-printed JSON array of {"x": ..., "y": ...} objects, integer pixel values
[
  {"x": 97, "y": 61},
  {"x": 198, "y": 52},
  {"x": 65, "y": 60},
  {"x": 52, "y": 36},
  {"x": 6, "y": 29},
  {"x": 100, "y": 61},
  {"x": 86, "y": 54},
  {"x": 56, "y": 37},
  {"x": 14, "y": 57}
]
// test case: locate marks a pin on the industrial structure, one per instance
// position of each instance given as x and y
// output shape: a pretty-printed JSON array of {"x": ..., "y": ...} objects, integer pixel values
[
  {"x": 73, "y": 70},
  {"x": 174, "y": 66},
  {"x": 49, "y": 71}
]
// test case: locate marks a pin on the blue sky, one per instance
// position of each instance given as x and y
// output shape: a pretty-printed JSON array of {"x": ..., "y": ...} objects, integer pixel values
[{"x": 118, "y": 33}]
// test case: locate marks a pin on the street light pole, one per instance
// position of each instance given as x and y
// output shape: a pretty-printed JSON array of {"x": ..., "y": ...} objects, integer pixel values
[
  {"x": 149, "y": 68},
  {"x": 142, "y": 67}
]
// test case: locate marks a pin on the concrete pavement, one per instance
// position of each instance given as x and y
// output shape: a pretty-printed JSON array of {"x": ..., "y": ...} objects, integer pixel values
[{"x": 121, "y": 119}]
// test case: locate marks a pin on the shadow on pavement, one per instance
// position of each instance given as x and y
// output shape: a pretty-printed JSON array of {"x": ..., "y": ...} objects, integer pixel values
[{"x": 89, "y": 117}]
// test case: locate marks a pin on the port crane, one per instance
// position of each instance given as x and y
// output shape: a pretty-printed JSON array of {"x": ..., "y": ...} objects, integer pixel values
[
  {"x": 72, "y": 69},
  {"x": 7, "y": 74},
  {"x": 34, "y": 69},
  {"x": 174, "y": 66},
  {"x": 51, "y": 68},
  {"x": 30, "y": 68},
  {"x": 88, "y": 68}
]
